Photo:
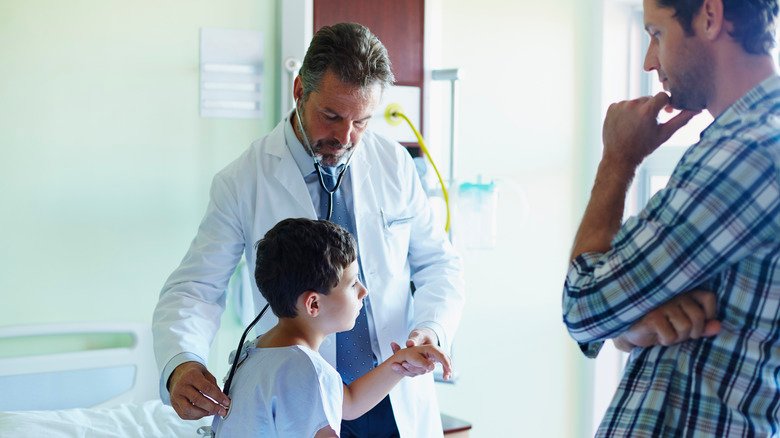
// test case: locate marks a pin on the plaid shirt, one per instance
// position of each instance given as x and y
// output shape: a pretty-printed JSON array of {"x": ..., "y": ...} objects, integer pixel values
[{"x": 716, "y": 225}]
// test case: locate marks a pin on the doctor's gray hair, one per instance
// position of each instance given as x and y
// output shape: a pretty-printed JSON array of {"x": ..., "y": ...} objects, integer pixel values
[
  {"x": 753, "y": 20},
  {"x": 349, "y": 50}
]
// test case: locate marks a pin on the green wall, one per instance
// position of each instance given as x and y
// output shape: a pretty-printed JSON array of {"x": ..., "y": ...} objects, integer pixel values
[{"x": 105, "y": 163}]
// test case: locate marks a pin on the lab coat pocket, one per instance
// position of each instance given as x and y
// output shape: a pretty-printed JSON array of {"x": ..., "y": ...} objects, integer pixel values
[{"x": 396, "y": 230}]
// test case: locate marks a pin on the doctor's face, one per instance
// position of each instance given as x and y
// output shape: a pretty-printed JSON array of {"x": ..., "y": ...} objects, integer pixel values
[
  {"x": 683, "y": 62},
  {"x": 335, "y": 116}
]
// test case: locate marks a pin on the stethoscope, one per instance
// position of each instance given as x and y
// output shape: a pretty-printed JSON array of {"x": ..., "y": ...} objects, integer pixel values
[
  {"x": 237, "y": 356},
  {"x": 318, "y": 168}
]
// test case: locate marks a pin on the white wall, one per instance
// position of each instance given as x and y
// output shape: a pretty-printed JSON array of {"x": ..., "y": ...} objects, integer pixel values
[
  {"x": 105, "y": 163},
  {"x": 105, "y": 167},
  {"x": 524, "y": 65}
]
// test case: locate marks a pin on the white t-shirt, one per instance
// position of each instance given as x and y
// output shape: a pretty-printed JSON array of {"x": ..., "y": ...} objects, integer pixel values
[{"x": 282, "y": 392}]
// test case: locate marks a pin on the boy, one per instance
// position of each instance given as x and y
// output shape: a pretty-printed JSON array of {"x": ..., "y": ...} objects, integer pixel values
[{"x": 307, "y": 271}]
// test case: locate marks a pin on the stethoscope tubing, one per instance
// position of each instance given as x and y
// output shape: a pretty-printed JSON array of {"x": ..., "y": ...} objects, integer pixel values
[
  {"x": 234, "y": 365},
  {"x": 338, "y": 184},
  {"x": 318, "y": 166}
]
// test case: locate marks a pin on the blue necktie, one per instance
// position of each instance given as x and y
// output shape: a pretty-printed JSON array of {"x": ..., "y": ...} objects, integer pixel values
[{"x": 353, "y": 348}]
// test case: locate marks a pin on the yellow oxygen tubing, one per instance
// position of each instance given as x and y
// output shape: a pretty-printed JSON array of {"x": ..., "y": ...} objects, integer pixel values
[{"x": 393, "y": 113}]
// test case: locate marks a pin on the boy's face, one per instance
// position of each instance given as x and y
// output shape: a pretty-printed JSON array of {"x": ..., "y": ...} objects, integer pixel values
[{"x": 342, "y": 305}]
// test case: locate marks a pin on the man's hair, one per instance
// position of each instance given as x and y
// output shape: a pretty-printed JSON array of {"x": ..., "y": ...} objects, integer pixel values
[
  {"x": 753, "y": 20},
  {"x": 351, "y": 52},
  {"x": 298, "y": 255}
]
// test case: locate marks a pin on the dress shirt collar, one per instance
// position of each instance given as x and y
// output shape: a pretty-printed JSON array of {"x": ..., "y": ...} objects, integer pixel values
[
  {"x": 301, "y": 156},
  {"x": 769, "y": 87},
  {"x": 304, "y": 161}
]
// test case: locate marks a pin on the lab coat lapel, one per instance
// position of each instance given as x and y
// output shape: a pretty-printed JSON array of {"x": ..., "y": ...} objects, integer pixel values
[
  {"x": 362, "y": 197},
  {"x": 360, "y": 170},
  {"x": 286, "y": 171},
  {"x": 366, "y": 204}
]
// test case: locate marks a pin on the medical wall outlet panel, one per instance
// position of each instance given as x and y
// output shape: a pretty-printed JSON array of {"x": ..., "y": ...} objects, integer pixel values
[
  {"x": 231, "y": 73},
  {"x": 405, "y": 97}
]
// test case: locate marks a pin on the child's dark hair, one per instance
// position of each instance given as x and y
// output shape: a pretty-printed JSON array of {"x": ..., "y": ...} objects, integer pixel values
[{"x": 298, "y": 255}]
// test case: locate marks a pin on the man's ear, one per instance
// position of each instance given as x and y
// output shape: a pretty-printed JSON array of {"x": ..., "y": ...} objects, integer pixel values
[
  {"x": 297, "y": 88},
  {"x": 309, "y": 302},
  {"x": 710, "y": 19}
]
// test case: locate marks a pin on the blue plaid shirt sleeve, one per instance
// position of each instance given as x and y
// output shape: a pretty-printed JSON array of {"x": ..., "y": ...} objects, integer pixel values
[
  {"x": 715, "y": 224},
  {"x": 719, "y": 206}
]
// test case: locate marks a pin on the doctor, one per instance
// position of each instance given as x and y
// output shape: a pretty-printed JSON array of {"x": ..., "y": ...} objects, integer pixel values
[{"x": 379, "y": 198}]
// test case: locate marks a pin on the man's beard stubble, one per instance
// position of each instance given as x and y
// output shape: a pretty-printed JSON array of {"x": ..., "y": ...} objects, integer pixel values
[{"x": 691, "y": 87}]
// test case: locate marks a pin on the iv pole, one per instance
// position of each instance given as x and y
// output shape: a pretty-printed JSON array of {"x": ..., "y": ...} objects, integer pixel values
[{"x": 451, "y": 75}]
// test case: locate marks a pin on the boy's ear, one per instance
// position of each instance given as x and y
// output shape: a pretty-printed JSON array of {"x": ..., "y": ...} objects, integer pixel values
[{"x": 310, "y": 303}]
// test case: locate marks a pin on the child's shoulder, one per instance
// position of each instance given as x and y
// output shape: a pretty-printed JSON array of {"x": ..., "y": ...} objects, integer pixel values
[
  {"x": 287, "y": 353},
  {"x": 313, "y": 359},
  {"x": 297, "y": 369},
  {"x": 294, "y": 383},
  {"x": 294, "y": 360}
]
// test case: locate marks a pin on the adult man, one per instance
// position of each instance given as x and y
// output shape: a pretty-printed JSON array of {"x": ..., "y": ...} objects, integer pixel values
[
  {"x": 715, "y": 225},
  {"x": 379, "y": 199}
]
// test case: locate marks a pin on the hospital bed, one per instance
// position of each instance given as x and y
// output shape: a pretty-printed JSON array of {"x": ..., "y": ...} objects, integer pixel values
[{"x": 83, "y": 380}]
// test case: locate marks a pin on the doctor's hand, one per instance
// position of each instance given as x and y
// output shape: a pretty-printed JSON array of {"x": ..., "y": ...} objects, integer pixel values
[
  {"x": 194, "y": 392},
  {"x": 420, "y": 336},
  {"x": 632, "y": 131},
  {"x": 687, "y": 316},
  {"x": 421, "y": 357}
]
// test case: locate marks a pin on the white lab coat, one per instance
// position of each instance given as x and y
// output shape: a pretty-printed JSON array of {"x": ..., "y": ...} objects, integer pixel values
[{"x": 396, "y": 236}]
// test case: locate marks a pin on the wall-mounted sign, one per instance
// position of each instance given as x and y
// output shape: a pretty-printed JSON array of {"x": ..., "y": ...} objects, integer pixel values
[{"x": 231, "y": 73}]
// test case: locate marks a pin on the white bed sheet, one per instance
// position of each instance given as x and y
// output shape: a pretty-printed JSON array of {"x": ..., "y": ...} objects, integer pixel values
[
  {"x": 52, "y": 392},
  {"x": 129, "y": 420}
]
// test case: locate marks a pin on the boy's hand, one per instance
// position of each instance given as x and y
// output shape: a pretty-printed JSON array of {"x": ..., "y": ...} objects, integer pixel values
[
  {"x": 420, "y": 336},
  {"x": 687, "y": 316},
  {"x": 419, "y": 358}
]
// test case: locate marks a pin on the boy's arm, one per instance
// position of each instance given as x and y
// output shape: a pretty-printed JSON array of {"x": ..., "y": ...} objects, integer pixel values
[{"x": 365, "y": 392}]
